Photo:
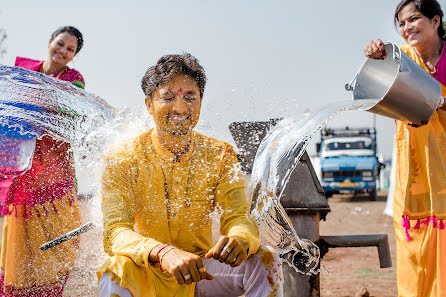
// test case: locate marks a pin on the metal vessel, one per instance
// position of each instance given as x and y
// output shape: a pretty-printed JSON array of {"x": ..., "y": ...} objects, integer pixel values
[{"x": 405, "y": 90}]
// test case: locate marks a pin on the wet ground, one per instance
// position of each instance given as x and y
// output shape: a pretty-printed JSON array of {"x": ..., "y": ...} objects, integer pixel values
[{"x": 352, "y": 269}]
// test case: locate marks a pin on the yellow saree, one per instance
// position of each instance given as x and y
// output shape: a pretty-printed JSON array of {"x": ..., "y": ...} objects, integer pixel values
[{"x": 420, "y": 200}]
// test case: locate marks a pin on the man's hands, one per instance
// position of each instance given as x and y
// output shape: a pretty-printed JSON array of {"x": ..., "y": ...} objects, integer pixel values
[
  {"x": 187, "y": 267},
  {"x": 184, "y": 266},
  {"x": 230, "y": 250}
]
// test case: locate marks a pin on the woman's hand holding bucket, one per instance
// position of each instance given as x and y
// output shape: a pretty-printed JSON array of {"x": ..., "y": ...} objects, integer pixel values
[{"x": 375, "y": 50}]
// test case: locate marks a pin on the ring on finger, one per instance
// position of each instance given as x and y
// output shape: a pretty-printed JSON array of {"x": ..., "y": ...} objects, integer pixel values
[
  {"x": 186, "y": 277},
  {"x": 227, "y": 249}
]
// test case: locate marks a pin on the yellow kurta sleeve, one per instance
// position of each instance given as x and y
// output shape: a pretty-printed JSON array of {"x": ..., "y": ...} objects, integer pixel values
[
  {"x": 118, "y": 207},
  {"x": 230, "y": 196}
]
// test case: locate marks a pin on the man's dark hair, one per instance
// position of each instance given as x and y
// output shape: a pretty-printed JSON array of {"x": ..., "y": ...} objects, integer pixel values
[
  {"x": 72, "y": 31},
  {"x": 429, "y": 8},
  {"x": 168, "y": 67}
]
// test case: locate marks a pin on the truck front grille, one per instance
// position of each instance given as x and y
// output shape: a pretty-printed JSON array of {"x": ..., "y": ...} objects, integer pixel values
[{"x": 351, "y": 173}]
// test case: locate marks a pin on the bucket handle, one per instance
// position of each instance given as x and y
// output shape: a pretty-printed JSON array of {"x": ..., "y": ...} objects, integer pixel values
[
  {"x": 396, "y": 56},
  {"x": 349, "y": 86}
]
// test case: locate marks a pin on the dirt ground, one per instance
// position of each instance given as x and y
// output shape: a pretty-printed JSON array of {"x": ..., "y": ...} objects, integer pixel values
[{"x": 352, "y": 269}]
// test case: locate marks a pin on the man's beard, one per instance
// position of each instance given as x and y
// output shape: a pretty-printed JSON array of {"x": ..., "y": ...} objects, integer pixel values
[{"x": 179, "y": 132}]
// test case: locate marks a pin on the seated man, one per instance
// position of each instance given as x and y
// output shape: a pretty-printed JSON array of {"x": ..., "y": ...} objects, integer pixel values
[{"x": 158, "y": 195}]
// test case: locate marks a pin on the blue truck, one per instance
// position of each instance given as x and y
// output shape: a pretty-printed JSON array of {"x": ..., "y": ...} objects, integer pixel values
[{"x": 348, "y": 161}]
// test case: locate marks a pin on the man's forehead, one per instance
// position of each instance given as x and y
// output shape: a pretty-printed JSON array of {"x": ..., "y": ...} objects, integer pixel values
[
  {"x": 182, "y": 85},
  {"x": 176, "y": 89}
]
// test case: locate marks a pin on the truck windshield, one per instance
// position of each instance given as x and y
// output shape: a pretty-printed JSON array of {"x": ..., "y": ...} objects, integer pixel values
[
  {"x": 354, "y": 145},
  {"x": 348, "y": 146}
]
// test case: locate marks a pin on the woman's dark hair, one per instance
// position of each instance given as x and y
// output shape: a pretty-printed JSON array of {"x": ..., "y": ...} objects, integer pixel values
[
  {"x": 72, "y": 31},
  {"x": 429, "y": 8},
  {"x": 168, "y": 67}
]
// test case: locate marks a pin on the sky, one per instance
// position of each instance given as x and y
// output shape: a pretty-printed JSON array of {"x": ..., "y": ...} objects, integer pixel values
[{"x": 263, "y": 59}]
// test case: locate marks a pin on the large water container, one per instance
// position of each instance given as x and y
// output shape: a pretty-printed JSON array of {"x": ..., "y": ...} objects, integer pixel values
[{"x": 406, "y": 92}]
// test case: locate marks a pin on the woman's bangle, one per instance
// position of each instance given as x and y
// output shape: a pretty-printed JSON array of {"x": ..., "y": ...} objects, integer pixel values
[{"x": 161, "y": 257}]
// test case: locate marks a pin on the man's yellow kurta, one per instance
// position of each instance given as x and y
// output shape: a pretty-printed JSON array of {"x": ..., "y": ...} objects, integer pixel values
[
  {"x": 420, "y": 191},
  {"x": 149, "y": 199}
]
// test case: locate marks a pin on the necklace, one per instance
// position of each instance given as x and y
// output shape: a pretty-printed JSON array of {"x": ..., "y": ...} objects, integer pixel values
[
  {"x": 434, "y": 60},
  {"x": 42, "y": 70},
  {"x": 169, "y": 199}
]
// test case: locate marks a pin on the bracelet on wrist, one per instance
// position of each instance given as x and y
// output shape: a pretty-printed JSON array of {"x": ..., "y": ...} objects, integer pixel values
[
  {"x": 157, "y": 253},
  {"x": 161, "y": 256}
]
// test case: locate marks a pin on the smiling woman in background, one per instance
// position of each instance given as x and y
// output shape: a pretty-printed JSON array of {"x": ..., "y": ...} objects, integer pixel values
[
  {"x": 420, "y": 180},
  {"x": 42, "y": 204}
]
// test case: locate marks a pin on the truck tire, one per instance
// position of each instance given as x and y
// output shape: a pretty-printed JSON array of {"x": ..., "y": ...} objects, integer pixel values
[{"x": 373, "y": 195}]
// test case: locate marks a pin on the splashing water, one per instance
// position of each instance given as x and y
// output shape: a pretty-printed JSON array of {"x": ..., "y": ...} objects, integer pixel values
[
  {"x": 276, "y": 158},
  {"x": 43, "y": 105},
  {"x": 33, "y": 105},
  {"x": 38, "y": 105}
]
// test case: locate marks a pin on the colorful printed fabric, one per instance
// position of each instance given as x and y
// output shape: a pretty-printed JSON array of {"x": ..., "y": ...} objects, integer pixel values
[
  {"x": 41, "y": 205},
  {"x": 420, "y": 199},
  {"x": 138, "y": 214}
]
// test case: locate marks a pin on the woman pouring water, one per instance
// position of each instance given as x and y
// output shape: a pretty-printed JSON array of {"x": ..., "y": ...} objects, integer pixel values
[
  {"x": 420, "y": 181},
  {"x": 42, "y": 204}
]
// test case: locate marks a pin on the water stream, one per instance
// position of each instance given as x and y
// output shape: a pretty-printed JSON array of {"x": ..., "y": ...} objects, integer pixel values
[
  {"x": 276, "y": 158},
  {"x": 37, "y": 105}
]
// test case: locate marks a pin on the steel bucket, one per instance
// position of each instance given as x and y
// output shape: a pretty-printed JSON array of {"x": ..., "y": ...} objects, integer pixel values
[{"x": 405, "y": 91}]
